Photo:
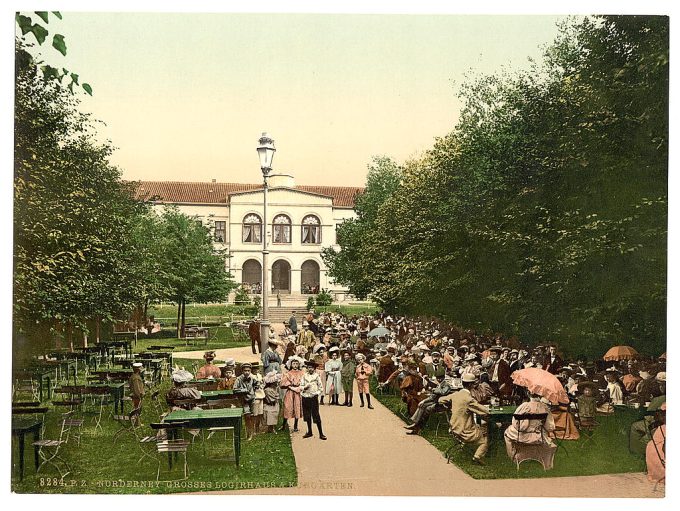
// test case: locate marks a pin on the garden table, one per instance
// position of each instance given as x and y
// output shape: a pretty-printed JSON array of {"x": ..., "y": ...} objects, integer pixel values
[
  {"x": 20, "y": 427},
  {"x": 498, "y": 415},
  {"x": 219, "y": 417},
  {"x": 113, "y": 374},
  {"x": 41, "y": 374}
]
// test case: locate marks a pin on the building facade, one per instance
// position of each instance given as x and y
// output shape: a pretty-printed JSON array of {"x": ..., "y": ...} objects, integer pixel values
[{"x": 301, "y": 221}]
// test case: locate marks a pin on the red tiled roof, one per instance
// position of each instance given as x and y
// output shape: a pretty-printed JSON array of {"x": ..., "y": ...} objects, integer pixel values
[{"x": 218, "y": 193}]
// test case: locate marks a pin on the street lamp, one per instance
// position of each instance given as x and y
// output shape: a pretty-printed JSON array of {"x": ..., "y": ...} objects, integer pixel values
[{"x": 265, "y": 152}]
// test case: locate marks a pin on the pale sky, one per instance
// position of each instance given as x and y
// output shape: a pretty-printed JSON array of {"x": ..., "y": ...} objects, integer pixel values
[{"x": 186, "y": 96}]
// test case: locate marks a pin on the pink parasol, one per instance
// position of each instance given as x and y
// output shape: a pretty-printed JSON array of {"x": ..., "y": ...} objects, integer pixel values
[
  {"x": 620, "y": 353},
  {"x": 541, "y": 382}
]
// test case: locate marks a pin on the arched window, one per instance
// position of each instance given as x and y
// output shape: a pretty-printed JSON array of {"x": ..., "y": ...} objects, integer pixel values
[
  {"x": 281, "y": 229},
  {"x": 311, "y": 229},
  {"x": 252, "y": 229}
]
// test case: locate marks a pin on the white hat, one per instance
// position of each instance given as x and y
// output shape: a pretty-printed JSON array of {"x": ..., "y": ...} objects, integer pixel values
[
  {"x": 229, "y": 362},
  {"x": 469, "y": 378},
  {"x": 318, "y": 347},
  {"x": 290, "y": 360},
  {"x": 360, "y": 356},
  {"x": 470, "y": 357},
  {"x": 333, "y": 349},
  {"x": 272, "y": 377},
  {"x": 181, "y": 376},
  {"x": 435, "y": 333},
  {"x": 137, "y": 364},
  {"x": 661, "y": 376}
]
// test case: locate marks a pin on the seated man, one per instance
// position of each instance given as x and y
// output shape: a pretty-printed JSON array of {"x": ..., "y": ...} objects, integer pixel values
[
  {"x": 180, "y": 392},
  {"x": 531, "y": 431},
  {"x": 463, "y": 409},
  {"x": 641, "y": 431},
  {"x": 209, "y": 370},
  {"x": 428, "y": 405}
]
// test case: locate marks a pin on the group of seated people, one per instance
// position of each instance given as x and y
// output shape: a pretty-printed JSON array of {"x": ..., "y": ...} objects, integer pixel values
[{"x": 435, "y": 367}]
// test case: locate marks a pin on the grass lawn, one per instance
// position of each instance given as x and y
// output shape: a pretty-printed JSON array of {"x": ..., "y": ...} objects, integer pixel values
[
  {"x": 219, "y": 337},
  {"x": 99, "y": 466},
  {"x": 607, "y": 454},
  {"x": 197, "y": 313}
]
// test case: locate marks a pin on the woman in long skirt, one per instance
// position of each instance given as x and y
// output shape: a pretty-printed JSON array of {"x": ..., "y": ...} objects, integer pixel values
[
  {"x": 271, "y": 400},
  {"x": 333, "y": 376}
]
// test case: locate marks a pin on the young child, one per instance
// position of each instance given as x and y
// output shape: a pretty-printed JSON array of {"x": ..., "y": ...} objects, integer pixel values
[{"x": 271, "y": 400}]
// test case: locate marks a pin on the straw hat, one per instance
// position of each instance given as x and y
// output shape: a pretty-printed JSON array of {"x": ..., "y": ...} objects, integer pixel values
[{"x": 181, "y": 376}]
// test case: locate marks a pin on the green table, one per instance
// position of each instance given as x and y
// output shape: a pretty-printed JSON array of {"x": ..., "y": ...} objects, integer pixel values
[
  {"x": 216, "y": 394},
  {"x": 502, "y": 415},
  {"x": 43, "y": 375},
  {"x": 113, "y": 374},
  {"x": 21, "y": 426},
  {"x": 216, "y": 418}
]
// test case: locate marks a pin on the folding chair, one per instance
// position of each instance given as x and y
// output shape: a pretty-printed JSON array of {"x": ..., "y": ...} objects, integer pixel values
[
  {"x": 442, "y": 412},
  {"x": 48, "y": 450},
  {"x": 587, "y": 427},
  {"x": 29, "y": 387},
  {"x": 457, "y": 445},
  {"x": 128, "y": 423},
  {"x": 172, "y": 447},
  {"x": 69, "y": 423}
]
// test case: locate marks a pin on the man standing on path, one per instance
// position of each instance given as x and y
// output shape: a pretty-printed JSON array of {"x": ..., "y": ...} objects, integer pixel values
[
  {"x": 347, "y": 376},
  {"x": 254, "y": 334},
  {"x": 311, "y": 388},
  {"x": 363, "y": 373},
  {"x": 463, "y": 409},
  {"x": 292, "y": 323}
]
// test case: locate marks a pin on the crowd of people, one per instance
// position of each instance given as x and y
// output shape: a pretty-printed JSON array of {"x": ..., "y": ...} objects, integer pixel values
[{"x": 436, "y": 366}]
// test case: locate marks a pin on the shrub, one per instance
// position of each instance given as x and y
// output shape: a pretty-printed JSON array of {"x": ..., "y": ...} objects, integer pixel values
[
  {"x": 324, "y": 298},
  {"x": 241, "y": 297},
  {"x": 310, "y": 303}
]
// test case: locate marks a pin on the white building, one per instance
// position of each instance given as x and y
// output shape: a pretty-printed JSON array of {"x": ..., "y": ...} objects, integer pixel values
[{"x": 301, "y": 220}]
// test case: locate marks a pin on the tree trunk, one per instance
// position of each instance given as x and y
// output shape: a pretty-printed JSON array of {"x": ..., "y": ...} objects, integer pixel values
[
  {"x": 184, "y": 310},
  {"x": 97, "y": 329},
  {"x": 70, "y": 336},
  {"x": 179, "y": 315}
]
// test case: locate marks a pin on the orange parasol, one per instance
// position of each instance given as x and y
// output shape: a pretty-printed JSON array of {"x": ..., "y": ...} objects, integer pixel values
[
  {"x": 541, "y": 382},
  {"x": 620, "y": 353}
]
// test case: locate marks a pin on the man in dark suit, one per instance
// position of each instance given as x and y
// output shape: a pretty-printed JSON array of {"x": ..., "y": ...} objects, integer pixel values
[
  {"x": 499, "y": 373},
  {"x": 552, "y": 362},
  {"x": 254, "y": 334}
]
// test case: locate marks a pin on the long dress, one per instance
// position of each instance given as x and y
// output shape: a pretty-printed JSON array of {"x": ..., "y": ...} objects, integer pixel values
[
  {"x": 271, "y": 405},
  {"x": 333, "y": 376},
  {"x": 656, "y": 456},
  {"x": 292, "y": 401}
]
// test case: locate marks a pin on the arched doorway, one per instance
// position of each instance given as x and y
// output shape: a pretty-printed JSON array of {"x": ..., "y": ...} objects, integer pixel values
[
  {"x": 252, "y": 276},
  {"x": 310, "y": 277},
  {"x": 281, "y": 276}
]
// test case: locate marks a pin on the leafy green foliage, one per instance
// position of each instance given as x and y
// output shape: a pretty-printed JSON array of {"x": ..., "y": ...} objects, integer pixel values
[
  {"x": 26, "y": 61},
  {"x": 543, "y": 213},
  {"x": 324, "y": 298},
  {"x": 353, "y": 265},
  {"x": 311, "y": 302},
  {"x": 242, "y": 297}
]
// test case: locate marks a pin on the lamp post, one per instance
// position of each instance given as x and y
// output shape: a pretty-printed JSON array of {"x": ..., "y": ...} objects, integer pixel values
[{"x": 265, "y": 151}]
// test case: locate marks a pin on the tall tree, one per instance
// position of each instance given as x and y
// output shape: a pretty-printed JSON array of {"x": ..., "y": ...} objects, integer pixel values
[
  {"x": 543, "y": 213},
  {"x": 193, "y": 268}
]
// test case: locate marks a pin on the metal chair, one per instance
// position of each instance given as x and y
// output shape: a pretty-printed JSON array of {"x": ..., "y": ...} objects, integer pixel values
[
  {"x": 128, "y": 423},
  {"x": 170, "y": 446},
  {"x": 48, "y": 451}
]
